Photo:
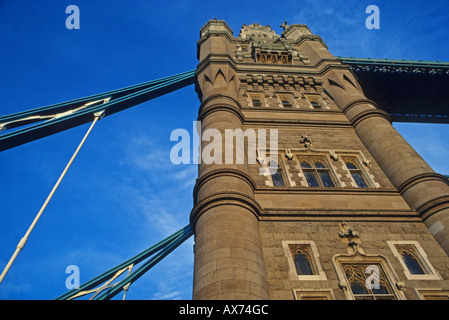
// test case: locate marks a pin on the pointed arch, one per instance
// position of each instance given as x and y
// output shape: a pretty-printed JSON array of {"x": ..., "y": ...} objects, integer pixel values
[
  {"x": 220, "y": 79},
  {"x": 336, "y": 84},
  {"x": 360, "y": 261},
  {"x": 350, "y": 81}
]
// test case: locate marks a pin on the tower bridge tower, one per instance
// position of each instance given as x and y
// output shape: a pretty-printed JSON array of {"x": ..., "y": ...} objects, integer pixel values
[{"x": 344, "y": 208}]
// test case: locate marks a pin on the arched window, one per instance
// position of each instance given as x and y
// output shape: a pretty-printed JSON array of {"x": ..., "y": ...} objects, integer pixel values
[
  {"x": 286, "y": 104},
  {"x": 411, "y": 259},
  {"x": 316, "y": 105},
  {"x": 278, "y": 180},
  {"x": 317, "y": 174},
  {"x": 257, "y": 103},
  {"x": 412, "y": 263},
  {"x": 303, "y": 259},
  {"x": 356, "y": 174},
  {"x": 302, "y": 264},
  {"x": 359, "y": 279}
]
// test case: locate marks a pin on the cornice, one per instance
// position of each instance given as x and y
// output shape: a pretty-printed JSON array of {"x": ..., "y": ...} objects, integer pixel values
[
  {"x": 278, "y": 214},
  {"x": 368, "y": 114},
  {"x": 322, "y": 67},
  {"x": 233, "y": 107},
  {"x": 327, "y": 191},
  {"x": 357, "y": 102},
  {"x": 224, "y": 199},
  {"x": 433, "y": 206},
  {"x": 291, "y": 122},
  {"x": 222, "y": 172},
  {"x": 404, "y": 186}
]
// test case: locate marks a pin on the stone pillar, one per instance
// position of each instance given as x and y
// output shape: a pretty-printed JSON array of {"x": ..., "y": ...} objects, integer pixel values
[
  {"x": 228, "y": 256},
  {"x": 423, "y": 189}
]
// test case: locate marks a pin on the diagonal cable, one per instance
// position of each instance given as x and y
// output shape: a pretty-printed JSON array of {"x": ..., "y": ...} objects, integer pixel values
[{"x": 155, "y": 254}]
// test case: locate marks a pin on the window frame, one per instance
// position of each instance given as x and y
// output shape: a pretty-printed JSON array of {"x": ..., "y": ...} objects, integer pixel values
[
  {"x": 370, "y": 293},
  {"x": 259, "y": 103},
  {"x": 359, "y": 256},
  {"x": 316, "y": 106},
  {"x": 279, "y": 171},
  {"x": 288, "y": 98},
  {"x": 316, "y": 98},
  {"x": 319, "y": 274},
  {"x": 430, "y": 272},
  {"x": 304, "y": 250},
  {"x": 425, "y": 293},
  {"x": 311, "y": 160},
  {"x": 359, "y": 169},
  {"x": 305, "y": 294},
  {"x": 287, "y": 105}
]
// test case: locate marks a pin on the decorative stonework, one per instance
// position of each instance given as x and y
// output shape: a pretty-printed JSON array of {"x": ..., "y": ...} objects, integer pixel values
[
  {"x": 348, "y": 232},
  {"x": 399, "y": 69},
  {"x": 333, "y": 160},
  {"x": 263, "y": 45},
  {"x": 282, "y": 83},
  {"x": 305, "y": 141}
]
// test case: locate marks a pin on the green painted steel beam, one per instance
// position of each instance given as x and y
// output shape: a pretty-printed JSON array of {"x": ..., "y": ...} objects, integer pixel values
[
  {"x": 403, "y": 62},
  {"x": 409, "y": 90},
  {"x": 157, "y": 252},
  {"x": 117, "y": 288},
  {"x": 69, "y": 114}
]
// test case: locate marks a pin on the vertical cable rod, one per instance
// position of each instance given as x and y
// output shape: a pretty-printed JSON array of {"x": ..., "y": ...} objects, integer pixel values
[{"x": 23, "y": 241}]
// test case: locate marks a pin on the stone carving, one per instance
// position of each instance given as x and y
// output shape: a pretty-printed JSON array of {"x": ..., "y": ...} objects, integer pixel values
[
  {"x": 334, "y": 156},
  {"x": 400, "y": 286},
  {"x": 284, "y": 25},
  {"x": 263, "y": 45},
  {"x": 306, "y": 141},
  {"x": 288, "y": 154},
  {"x": 347, "y": 231}
]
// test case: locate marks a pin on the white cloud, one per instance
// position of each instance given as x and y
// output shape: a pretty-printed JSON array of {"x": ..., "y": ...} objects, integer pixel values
[
  {"x": 14, "y": 287},
  {"x": 176, "y": 295}
]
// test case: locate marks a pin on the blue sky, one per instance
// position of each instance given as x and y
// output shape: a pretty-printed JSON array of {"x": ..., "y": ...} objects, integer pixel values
[{"x": 122, "y": 194}]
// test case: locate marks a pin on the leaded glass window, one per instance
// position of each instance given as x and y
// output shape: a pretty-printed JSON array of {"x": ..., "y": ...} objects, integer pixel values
[
  {"x": 286, "y": 104},
  {"x": 303, "y": 259},
  {"x": 317, "y": 174},
  {"x": 356, "y": 174},
  {"x": 359, "y": 276},
  {"x": 257, "y": 103},
  {"x": 316, "y": 105},
  {"x": 278, "y": 180},
  {"x": 411, "y": 259}
]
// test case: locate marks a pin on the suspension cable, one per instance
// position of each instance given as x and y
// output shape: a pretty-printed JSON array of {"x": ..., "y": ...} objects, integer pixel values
[{"x": 23, "y": 241}]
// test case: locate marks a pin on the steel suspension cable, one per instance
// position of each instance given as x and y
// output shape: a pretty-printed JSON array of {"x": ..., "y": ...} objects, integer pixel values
[{"x": 23, "y": 241}]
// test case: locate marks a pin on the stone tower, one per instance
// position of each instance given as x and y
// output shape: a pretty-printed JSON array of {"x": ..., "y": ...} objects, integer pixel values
[{"x": 333, "y": 204}]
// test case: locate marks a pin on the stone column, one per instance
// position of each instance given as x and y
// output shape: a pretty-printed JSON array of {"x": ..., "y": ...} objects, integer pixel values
[
  {"x": 423, "y": 189},
  {"x": 228, "y": 256}
]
